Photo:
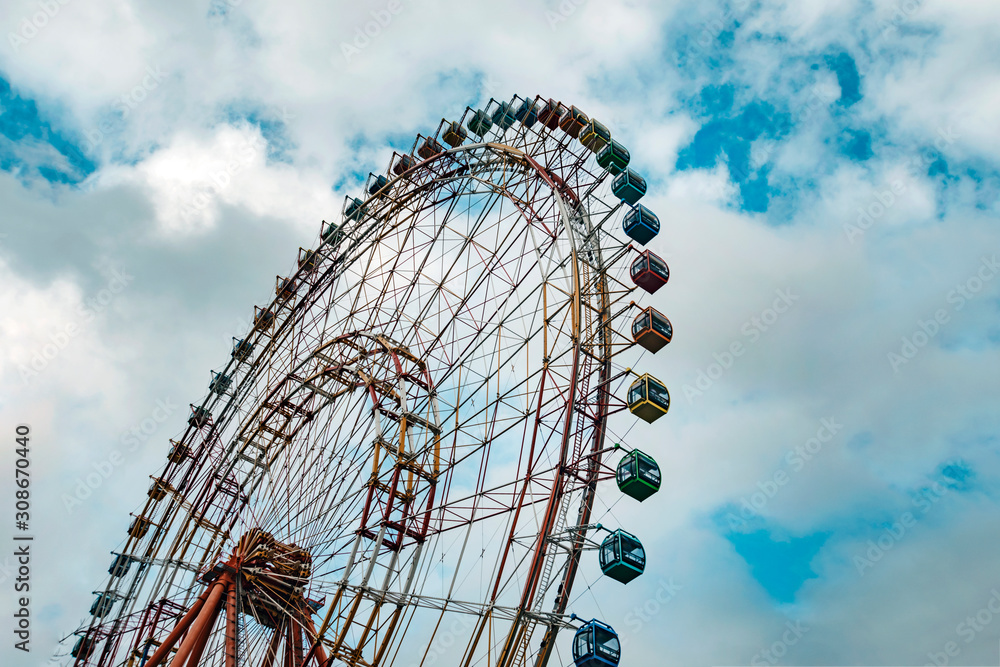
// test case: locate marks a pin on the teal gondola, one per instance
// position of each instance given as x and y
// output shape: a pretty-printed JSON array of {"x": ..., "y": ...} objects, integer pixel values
[
  {"x": 622, "y": 556},
  {"x": 377, "y": 184},
  {"x": 242, "y": 349},
  {"x": 614, "y": 157},
  {"x": 638, "y": 476},
  {"x": 102, "y": 605},
  {"x": 355, "y": 209},
  {"x": 527, "y": 113},
  {"x": 641, "y": 224},
  {"x": 331, "y": 233},
  {"x": 503, "y": 116},
  {"x": 629, "y": 186},
  {"x": 83, "y": 648}
]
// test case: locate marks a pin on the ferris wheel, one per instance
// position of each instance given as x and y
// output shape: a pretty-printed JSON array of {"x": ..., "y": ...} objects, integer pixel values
[{"x": 398, "y": 464}]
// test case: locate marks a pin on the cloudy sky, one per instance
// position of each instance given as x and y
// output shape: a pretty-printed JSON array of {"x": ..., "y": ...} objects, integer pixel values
[{"x": 827, "y": 179}]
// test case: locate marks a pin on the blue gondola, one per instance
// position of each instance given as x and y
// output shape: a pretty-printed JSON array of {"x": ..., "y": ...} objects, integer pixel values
[
  {"x": 377, "y": 184},
  {"x": 641, "y": 224},
  {"x": 622, "y": 556},
  {"x": 480, "y": 123},
  {"x": 242, "y": 349},
  {"x": 102, "y": 605},
  {"x": 503, "y": 115},
  {"x": 629, "y": 186},
  {"x": 527, "y": 113},
  {"x": 638, "y": 476},
  {"x": 354, "y": 209},
  {"x": 119, "y": 566},
  {"x": 332, "y": 233},
  {"x": 596, "y": 645},
  {"x": 614, "y": 157},
  {"x": 454, "y": 134},
  {"x": 83, "y": 648},
  {"x": 220, "y": 383},
  {"x": 263, "y": 319}
]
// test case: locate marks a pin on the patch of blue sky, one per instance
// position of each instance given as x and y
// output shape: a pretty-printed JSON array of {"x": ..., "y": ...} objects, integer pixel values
[
  {"x": 271, "y": 125},
  {"x": 33, "y": 147},
  {"x": 778, "y": 560}
]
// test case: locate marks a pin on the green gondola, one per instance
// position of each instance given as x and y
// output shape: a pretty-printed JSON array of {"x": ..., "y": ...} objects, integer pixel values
[
  {"x": 480, "y": 123},
  {"x": 614, "y": 157},
  {"x": 638, "y": 476}
]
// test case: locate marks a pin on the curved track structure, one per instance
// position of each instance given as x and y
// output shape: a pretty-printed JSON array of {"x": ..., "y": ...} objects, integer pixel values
[{"x": 399, "y": 463}]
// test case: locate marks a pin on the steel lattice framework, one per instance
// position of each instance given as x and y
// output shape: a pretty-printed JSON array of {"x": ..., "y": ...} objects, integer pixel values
[{"x": 412, "y": 431}]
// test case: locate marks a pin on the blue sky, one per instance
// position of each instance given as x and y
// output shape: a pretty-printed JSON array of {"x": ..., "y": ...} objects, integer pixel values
[{"x": 841, "y": 152}]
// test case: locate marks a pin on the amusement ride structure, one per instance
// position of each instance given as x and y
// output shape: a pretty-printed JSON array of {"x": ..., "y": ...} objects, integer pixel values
[{"x": 399, "y": 462}]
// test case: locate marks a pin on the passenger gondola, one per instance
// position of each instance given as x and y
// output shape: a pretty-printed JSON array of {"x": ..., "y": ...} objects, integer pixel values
[
  {"x": 651, "y": 329},
  {"x": 379, "y": 182},
  {"x": 638, "y": 476},
  {"x": 614, "y": 157},
  {"x": 629, "y": 186},
  {"x": 649, "y": 272},
  {"x": 648, "y": 398},
  {"x": 596, "y": 645},
  {"x": 430, "y": 148},
  {"x": 573, "y": 122},
  {"x": 503, "y": 116},
  {"x": 595, "y": 136},
  {"x": 527, "y": 113},
  {"x": 455, "y": 134},
  {"x": 355, "y": 209},
  {"x": 622, "y": 556},
  {"x": 641, "y": 224},
  {"x": 403, "y": 164},
  {"x": 551, "y": 114},
  {"x": 480, "y": 123},
  {"x": 242, "y": 349}
]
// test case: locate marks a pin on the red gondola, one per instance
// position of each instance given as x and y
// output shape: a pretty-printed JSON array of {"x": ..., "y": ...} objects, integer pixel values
[{"x": 649, "y": 272}]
